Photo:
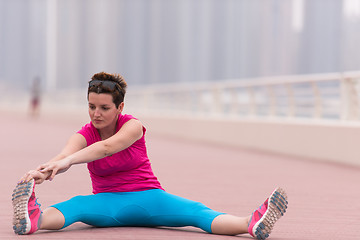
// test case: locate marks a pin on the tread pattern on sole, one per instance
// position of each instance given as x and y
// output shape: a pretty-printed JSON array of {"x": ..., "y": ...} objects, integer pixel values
[
  {"x": 277, "y": 205},
  {"x": 20, "y": 199}
]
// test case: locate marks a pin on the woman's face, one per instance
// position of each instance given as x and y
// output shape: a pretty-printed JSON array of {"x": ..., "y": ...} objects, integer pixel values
[{"x": 102, "y": 111}]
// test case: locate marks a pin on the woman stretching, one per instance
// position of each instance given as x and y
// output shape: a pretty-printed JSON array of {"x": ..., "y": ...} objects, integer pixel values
[{"x": 125, "y": 190}]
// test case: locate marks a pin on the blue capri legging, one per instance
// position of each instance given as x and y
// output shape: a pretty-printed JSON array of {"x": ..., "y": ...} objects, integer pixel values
[{"x": 144, "y": 208}]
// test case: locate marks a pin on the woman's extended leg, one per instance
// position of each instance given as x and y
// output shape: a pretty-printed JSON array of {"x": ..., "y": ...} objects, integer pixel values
[
  {"x": 145, "y": 208},
  {"x": 52, "y": 219},
  {"x": 259, "y": 224},
  {"x": 230, "y": 225},
  {"x": 28, "y": 217}
]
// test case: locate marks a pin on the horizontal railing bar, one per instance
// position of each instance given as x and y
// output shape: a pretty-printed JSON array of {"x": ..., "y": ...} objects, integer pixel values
[{"x": 244, "y": 83}]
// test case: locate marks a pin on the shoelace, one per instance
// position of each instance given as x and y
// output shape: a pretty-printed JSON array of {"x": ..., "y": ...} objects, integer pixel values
[{"x": 36, "y": 203}]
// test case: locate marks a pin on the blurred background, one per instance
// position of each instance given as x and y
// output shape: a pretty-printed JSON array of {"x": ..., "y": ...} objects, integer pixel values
[
  {"x": 158, "y": 41},
  {"x": 273, "y": 60}
]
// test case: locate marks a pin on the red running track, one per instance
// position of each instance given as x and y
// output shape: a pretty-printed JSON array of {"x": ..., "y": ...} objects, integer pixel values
[{"x": 323, "y": 198}]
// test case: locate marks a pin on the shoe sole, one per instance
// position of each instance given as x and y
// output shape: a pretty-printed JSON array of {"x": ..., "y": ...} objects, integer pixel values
[
  {"x": 277, "y": 206},
  {"x": 20, "y": 200}
]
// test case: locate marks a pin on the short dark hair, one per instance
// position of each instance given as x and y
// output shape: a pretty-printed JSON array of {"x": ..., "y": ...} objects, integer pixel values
[{"x": 118, "y": 93}]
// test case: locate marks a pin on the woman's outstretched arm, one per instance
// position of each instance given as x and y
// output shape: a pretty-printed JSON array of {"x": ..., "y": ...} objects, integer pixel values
[
  {"x": 130, "y": 132},
  {"x": 75, "y": 143}
]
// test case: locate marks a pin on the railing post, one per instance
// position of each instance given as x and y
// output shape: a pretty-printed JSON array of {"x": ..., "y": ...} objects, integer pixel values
[
  {"x": 252, "y": 101},
  {"x": 201, "y": 109},
  {"x": 217, "y": 104},
  {"x": 317, "y": 101},
  {"x": 272, "y": 101},
  {"x": 291, "y": 100},
  {"x": 233, "y": 101},
  {"x": 349, "y": 99}
]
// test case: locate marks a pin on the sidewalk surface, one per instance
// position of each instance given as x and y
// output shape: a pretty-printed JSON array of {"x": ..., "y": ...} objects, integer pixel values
[{"x": 323, "y": 198}]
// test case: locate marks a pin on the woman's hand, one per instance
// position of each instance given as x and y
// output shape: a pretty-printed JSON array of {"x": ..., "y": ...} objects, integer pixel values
[
  {"x": 38, "y": 176},
  {"x": 54, "y": 168}
]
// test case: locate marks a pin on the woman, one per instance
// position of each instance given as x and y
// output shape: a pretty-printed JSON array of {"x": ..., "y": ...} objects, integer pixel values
[
  {"x": 125, "y": 190},
  {"x": 35, "y": 97}
]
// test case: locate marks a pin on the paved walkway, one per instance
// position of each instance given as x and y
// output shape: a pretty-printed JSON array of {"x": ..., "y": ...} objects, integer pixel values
[{"x": 323, "y": 198}]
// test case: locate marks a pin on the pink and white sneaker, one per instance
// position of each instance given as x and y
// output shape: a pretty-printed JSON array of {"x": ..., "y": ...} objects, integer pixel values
[
  {"x": 27, "y": 212},
  {"x": 263, "y": 219}
]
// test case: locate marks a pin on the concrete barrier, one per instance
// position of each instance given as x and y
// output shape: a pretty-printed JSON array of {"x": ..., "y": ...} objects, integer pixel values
[{"x": 326, "y": 141}]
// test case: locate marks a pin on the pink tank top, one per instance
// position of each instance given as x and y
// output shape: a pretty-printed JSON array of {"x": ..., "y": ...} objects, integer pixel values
[{"x": 126, "y": 171}]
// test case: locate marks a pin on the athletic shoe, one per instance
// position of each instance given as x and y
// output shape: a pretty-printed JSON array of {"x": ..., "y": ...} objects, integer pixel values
[
  {"x": 27, "y": 212},
  {"x": 263, "y": 219}
]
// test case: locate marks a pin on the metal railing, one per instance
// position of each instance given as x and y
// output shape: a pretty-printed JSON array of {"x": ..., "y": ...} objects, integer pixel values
[{"x": 332, "y": 96}]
